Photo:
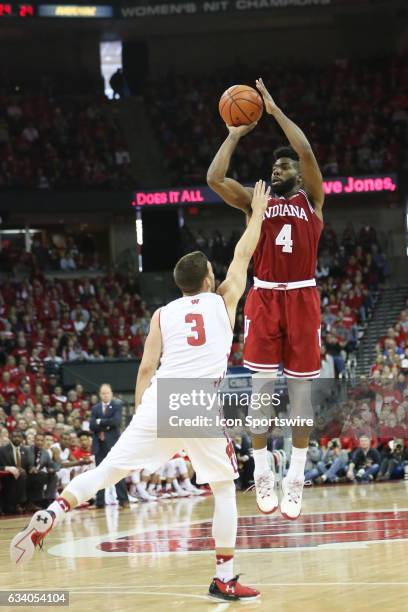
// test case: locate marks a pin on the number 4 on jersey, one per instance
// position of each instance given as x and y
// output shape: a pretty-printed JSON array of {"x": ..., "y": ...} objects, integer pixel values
[{"x": 284, "y": 238}]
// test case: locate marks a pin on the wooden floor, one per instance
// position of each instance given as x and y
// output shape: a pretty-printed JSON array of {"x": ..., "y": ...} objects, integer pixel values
[{"x": 348, "y": 552}]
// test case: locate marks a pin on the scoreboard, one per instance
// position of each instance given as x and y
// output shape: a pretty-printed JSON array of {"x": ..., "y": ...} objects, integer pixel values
[
  {"x": 16, "y": 10},
  {"x": 70, "y": 10}
]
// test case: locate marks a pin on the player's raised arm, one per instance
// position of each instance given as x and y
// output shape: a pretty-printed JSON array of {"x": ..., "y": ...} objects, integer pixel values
[
  {"x": 309, "y": 168},
  {"x": 151, "y": 358},
  {"x": 232, "y": 192},
  {"x": 234, "y": 285}
]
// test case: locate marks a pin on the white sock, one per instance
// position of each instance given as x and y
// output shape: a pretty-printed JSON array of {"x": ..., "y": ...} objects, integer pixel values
[
  {"x": 297, "y": 464},
  {"x": 59, "y": 507},
  {"x": 224, "y": 570},
  {"x": 261, "y": 461},
  {"x": 168, "y": 486},
  {"x": 151, "y": 487}
]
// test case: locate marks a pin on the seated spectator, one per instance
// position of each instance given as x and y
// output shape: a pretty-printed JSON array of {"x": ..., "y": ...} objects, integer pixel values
[
  {"x": 13, "y": 460},
  {"x": 83, "y": 453},
  {"x": 394, "y": 458},
  {"x": 365, "y": 462},
  {"x": 335, "y": 463},
  {"x": 41, "y": 473}
]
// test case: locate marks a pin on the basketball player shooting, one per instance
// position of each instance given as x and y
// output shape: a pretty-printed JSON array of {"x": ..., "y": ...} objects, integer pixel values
[
  {"x": 282, "y": 311},
  {"x": 190, "y": 337}
]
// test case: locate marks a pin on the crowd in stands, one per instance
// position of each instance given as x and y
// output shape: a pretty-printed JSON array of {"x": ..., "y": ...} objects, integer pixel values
[
  {"x": 392, "y": 351},
  {"x": 44, "y": 322},
  {"x": 63, "y": 252},
  {"x": 355, "y": 114},
  {"x": 350, "y": 269},
  {"x": 62, "y": 142}
]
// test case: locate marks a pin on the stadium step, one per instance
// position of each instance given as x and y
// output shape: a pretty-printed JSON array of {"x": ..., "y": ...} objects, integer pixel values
[{"x": 389, "y": 305}]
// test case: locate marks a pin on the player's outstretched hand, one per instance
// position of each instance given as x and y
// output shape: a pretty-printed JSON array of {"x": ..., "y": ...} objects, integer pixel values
[
  {"x": 260, "y": 197},
  {"x": 241, "y": 130},
  {"x": 267, "y": 98}
]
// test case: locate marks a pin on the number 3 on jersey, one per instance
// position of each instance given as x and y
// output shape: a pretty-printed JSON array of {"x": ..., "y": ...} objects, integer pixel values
[
  {"x": 284, "y": 238},
  {"x": 198, "y": 328}
]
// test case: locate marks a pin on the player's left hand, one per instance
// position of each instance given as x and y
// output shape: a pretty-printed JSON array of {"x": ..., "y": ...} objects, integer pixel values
[
  {"x": 260, "y": 197},
  {"x": 269, "y": 102}
]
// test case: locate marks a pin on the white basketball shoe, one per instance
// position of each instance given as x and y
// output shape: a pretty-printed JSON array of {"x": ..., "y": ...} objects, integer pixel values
[
  {"x": 23, "y": 545},
  {"x": 291, "y": 502},
  {"x": 266, "y": 497}
]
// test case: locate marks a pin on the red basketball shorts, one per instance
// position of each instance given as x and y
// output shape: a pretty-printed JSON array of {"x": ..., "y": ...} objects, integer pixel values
[{"x": 283, "y": 328}]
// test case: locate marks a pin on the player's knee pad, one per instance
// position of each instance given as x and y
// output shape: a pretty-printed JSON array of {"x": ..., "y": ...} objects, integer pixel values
[
  {"x": 223, "y": 490},
  {"x": 225, "y": 521}
]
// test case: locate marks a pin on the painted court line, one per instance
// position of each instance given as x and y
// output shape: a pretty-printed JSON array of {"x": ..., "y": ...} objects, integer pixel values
[{"x": 98, "y": 589}]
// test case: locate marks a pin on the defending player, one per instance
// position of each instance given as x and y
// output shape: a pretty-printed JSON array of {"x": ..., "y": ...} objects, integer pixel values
[
  {"x": 190, "y": 338},
  {"x": 282, "y": 311}
]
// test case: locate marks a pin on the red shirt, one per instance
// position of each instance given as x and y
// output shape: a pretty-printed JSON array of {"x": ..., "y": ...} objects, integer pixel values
[
  {"x": 23, "y": 397},
  {"x": 287, "y": 248},
  {"x": 349, "y": 321},
  {"x": 20, "y": 352},
  {"x": 334, "y": 309},
  {"x": 8, "y": 389},
  {"x": 81, "y": 454}
]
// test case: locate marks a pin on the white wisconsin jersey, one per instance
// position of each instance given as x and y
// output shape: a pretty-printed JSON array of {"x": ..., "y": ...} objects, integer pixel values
[{"x": 197, "y": 337}]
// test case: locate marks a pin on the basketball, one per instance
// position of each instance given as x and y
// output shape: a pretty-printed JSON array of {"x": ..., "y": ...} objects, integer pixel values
[{"x": 240, "y": 105}]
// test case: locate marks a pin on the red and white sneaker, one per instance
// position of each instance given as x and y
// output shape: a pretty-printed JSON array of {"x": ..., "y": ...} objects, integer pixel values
[
  {"x": 23, "y": 545},
  {"x": 231, "y": 591},
  {"x": 291, "y": 502},
  {"x": 266, "y": 497}
]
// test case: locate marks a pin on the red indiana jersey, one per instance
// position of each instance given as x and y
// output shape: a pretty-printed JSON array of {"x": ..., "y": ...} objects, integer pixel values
[{"x": 287, "y": 248}]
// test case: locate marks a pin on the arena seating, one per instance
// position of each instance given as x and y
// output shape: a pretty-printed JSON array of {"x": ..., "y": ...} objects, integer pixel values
[
  {"x": 62, "y": 142},
  {"x": 361, "y": 103},
  {"x": 392, "y": 352}
]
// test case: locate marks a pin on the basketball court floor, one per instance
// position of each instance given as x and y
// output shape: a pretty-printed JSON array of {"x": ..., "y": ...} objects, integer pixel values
[{"x": 348, "y": 552}]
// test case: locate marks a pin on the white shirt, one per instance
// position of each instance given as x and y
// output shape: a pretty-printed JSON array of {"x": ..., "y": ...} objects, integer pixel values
[{"x": 197, "y": 336}]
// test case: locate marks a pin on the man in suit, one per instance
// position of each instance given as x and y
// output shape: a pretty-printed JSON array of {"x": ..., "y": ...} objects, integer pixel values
[
  {"x": 41, "y": 473},
  {"x": 13, "y": 460},
  {"x": 105, "y": 425}
]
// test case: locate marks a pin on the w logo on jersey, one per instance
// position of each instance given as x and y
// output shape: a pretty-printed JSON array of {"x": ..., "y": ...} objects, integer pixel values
[{"x": 195, "y": 301}]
